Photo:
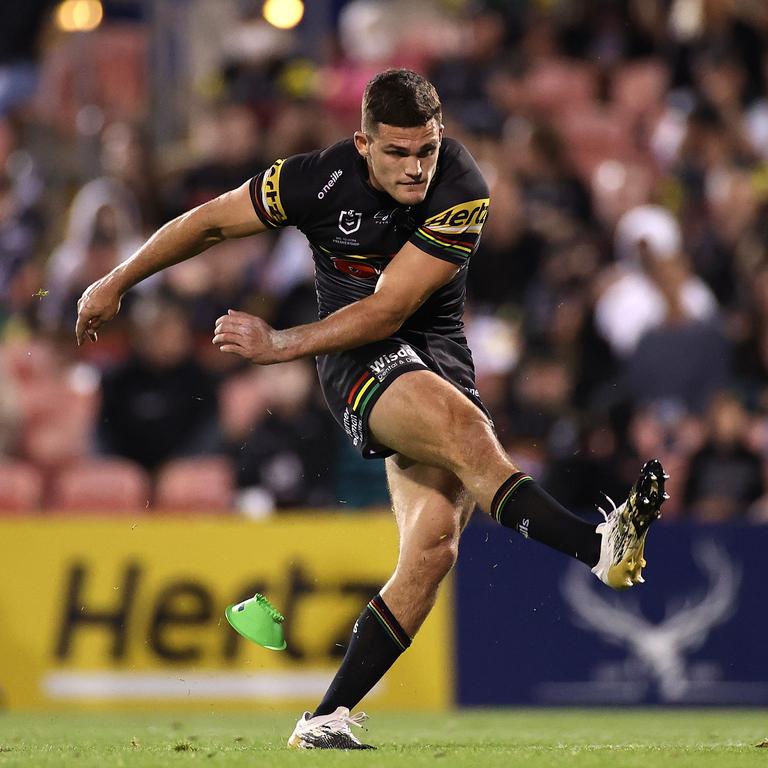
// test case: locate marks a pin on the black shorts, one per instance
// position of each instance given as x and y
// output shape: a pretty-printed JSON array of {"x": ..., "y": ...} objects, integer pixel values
[{"x": 353, "y": 381}]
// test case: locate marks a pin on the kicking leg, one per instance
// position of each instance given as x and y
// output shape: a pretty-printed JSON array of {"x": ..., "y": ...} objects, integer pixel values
[{"x": 422, "y": 416}]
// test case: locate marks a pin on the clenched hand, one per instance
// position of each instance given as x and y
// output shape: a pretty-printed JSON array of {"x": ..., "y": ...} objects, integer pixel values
[{"x": 247, "y": 336}]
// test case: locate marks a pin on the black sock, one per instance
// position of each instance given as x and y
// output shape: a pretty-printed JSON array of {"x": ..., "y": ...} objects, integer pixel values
[
  {"x": 377, "y": 640},
  {"x": 524, "y": 505}
]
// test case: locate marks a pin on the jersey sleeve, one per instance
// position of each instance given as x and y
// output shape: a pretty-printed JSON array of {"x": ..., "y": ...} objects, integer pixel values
[
  {"x": 456, "y": 212},
  {"x": 278, "y": 195}
]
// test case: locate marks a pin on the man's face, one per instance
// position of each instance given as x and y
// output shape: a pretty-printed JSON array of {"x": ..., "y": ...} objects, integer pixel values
[{"x": 401, "y": 161}]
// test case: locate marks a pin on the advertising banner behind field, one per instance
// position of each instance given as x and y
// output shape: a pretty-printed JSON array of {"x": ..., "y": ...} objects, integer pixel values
[
  {"x": 122, "y": 612},
  {"x": 536, "y": 628}
]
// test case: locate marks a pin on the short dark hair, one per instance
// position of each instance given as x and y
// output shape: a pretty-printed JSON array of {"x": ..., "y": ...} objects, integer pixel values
[{"x": 399, "y": 97}]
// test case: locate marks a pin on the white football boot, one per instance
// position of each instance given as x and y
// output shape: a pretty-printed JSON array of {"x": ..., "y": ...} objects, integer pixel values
[
  {"x": 625, "y": 528},
  {"x": 328, "y": 731}
]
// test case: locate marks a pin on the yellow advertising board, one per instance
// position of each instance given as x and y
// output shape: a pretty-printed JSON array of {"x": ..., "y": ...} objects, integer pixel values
[{"x": 130, "y": 613}]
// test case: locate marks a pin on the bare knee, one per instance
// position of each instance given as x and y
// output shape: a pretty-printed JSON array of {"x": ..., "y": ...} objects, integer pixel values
[{"x": 436, "y": 560}]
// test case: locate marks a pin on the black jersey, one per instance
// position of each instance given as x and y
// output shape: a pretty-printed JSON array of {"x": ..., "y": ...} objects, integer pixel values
[{"x": 354, "y": 230}]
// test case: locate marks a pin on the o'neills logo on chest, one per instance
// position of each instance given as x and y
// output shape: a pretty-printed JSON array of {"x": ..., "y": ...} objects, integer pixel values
[
  {"x": 404, "y": 354},
  {"x": 335, "y": 176}
]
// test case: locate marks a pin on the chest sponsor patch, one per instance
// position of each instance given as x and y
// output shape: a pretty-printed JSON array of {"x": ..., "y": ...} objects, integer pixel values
[{"x": 355, "y": 268}]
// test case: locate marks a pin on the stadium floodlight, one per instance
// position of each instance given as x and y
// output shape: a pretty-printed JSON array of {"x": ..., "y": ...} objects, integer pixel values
[
  {"x": 78, "y": 15},
  {"x": 283, "y": 14}
]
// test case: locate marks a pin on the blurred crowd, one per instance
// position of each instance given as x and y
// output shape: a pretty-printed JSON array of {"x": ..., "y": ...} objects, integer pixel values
[{"x": 618, "y": 303}]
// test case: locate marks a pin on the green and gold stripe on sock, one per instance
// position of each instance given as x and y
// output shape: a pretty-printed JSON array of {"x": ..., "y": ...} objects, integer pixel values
[
  {"x": 384, "y": 616},
  {"x": 505, "y": 492}
]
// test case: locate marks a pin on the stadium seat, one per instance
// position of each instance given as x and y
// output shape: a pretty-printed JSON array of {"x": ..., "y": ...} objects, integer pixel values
[
  {"x": 204, "y": 484},
  {"x": 57, "y": 404},
  {"x": 54, "y": 438},
  {"x": 106, "y": 485},
  {"x": 21, "y": 488}
]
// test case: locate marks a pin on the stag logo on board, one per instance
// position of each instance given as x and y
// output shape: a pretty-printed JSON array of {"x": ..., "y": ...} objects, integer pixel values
[
  {"x": 335, "y": 176},
  {"x": 657, "y": 653},
  {"x": 349, "y": 221}
]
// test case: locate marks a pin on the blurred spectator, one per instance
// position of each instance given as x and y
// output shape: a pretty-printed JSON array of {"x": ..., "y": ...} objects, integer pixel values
[
  {"x": 496, "y": 347},
  {"x": 651, "y": 281},
  {"x": 228, "y": 144},
  {"x": 725, "y": 476},
  {"x": 288, "y": 276},
  {"x": 670, "y": 434},
  {"x": 20, "y": 233},
  {"x": 683, "y": 363},
  {"x": 582, "y": 478},
  {"x": 756, "y": 117},
  {"x": 21, "y": 227},
  {"x": 665, "y": 317},
  {"x": 463, "y": 80},
  {"x": 541, "y": 421},
  {"x": 223, "y": 278},
  {"x": 750, "y": 342},
  {"x": 510, "y": 252},
  {"x": 551, "y": 188},
  {"x": 127, "y": 160},
  {"x": 160, "y": 403},
  {"x": 108, "y": 219},
  {"x": 280, "y": 438},
  {"x": 103, "y": 229},
  {"x": 372, "y": 35}
]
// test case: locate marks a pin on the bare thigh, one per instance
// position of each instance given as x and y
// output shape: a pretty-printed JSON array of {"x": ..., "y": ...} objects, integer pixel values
[
  {"x": 427, "y": 419},
  {"x": 431, "y": 508}
]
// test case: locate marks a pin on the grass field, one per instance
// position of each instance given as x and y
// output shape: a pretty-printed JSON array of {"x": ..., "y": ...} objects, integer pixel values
[{"x": 480, "y": 739}]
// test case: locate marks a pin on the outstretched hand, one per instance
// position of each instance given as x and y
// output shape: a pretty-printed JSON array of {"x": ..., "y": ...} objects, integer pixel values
[
  {"x": 99, "y": 303},
  {"x": 248, "y": 336}
]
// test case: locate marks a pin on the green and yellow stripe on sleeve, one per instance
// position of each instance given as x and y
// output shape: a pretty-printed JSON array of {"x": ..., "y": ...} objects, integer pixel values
[{"x": 453, "y": 234}]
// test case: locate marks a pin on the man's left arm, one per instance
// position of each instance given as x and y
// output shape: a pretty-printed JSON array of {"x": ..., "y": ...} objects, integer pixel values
[{"x": 407, "y": 282}]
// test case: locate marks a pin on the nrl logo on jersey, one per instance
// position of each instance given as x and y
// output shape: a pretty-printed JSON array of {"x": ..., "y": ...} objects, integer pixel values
[
  {"x": 466, "y": 217},
  {"x": 349, "y": 221}
]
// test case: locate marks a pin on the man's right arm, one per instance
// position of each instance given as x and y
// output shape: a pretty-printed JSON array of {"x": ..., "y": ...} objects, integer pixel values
[{"x": 229, "y": 216}]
